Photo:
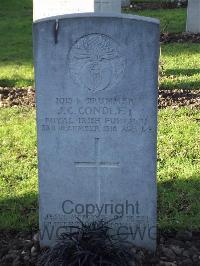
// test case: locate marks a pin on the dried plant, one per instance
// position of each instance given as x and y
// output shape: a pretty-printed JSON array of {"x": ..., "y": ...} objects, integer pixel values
[{"x": 90, "y": 245}]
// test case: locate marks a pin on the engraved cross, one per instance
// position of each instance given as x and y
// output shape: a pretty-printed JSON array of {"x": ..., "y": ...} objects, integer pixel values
[{"x": 97, "y": 163}]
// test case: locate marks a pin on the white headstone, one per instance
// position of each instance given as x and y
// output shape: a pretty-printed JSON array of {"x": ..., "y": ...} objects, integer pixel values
[
  {"x": 193, "y": 16},
  {"x": 48, "y": 8},
  {"x": 96, "y": 81}
]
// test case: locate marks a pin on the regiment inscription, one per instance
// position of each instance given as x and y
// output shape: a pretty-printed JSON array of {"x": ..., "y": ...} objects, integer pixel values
[
  {"x": 96, "y": 62},
  {"x": 109, "y": 115}
]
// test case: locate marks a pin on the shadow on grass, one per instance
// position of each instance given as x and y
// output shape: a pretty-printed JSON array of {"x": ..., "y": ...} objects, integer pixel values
[
  {"x": 180, "y": 79},
  {"x": 13, "y": 82},
  {"x": 178, "y": 207},
  {"x": 183, "y": 72},
  {"x": 180, "y": 85},
  {"x": 19, "y": 213}
]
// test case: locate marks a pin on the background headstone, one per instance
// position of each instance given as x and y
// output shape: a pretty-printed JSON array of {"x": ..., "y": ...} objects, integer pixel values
[
  {"x": 126, "y": 3},
  {"x": 193, "y": 16},
  {"x": 96, "y": 82},
  {"x": 107, "y": 6},
  {"x": 48, "y": 8}
]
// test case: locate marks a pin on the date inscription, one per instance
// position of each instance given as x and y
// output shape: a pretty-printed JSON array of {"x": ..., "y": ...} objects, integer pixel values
[{"x": 112, "y": 115}]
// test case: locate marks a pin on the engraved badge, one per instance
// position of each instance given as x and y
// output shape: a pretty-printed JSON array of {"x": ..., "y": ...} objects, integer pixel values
[{"x": 96, "y": 62}]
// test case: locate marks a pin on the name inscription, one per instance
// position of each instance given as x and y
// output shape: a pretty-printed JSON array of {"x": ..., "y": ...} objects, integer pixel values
[{"x": 111, "y": 115}]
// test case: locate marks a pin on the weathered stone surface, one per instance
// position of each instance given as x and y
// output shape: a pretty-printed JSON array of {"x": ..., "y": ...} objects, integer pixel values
[
  {"x": 96, "y": 83},
  {"x": 48, "y": 8}
]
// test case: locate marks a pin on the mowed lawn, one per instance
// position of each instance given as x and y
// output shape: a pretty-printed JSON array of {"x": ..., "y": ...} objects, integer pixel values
[
  {"x": 171, "y": 20},
  {"x": 180, "y": 61},
  {"x": 16, "y": 68},
  {"x": 178, "y": 169}
]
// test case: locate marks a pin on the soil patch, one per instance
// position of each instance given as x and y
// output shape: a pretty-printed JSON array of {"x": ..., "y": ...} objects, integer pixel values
[
  {"x": 17, "y": 97},
  {"x": 174, "y": 248},
  {"x": 175, "y": 98},
  {"x": 179, "y": 98},
  {"x": 156, "y": 5},
  {"x": 179, "y": 37}
]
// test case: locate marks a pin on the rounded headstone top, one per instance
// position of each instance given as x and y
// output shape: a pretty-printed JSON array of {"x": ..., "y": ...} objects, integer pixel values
[{"x": 101, "y": 15}]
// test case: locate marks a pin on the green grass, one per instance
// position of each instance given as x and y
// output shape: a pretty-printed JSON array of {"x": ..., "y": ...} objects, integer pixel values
[
  {"x": 178, "y": 169},
  {"x": 18, "y": 164},
  {"x": 181, "y": 66},
  {"x": 171, "y": 20},
  {"x": 16, "y": 68}
]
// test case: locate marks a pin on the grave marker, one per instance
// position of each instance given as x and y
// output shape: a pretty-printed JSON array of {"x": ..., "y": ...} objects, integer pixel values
[
  {"x": 96, "y": 87},
  {"x": 193, "y": 16}
]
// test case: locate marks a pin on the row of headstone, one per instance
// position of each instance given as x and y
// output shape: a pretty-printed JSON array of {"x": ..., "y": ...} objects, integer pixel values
[
  {"x": 96, "y": 85},
  {"x": 48, "y": 8}
]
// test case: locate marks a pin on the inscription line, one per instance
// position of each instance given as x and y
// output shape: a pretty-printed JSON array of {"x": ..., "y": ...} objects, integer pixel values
[{"x": 95, "y": 165}]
